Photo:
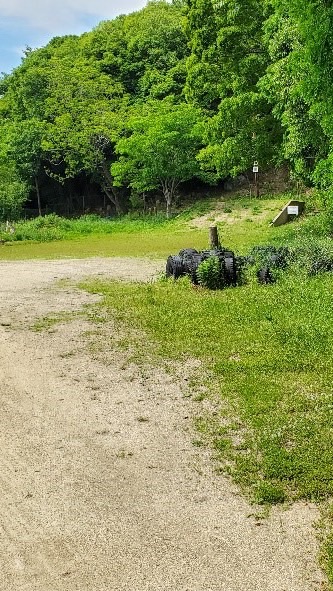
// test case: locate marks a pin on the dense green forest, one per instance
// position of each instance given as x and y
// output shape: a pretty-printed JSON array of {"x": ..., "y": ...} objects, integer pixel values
[{"x": 182, "y": 92}]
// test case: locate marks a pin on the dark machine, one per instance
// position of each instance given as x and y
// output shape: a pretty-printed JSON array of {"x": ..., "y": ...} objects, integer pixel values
[
  {"x": 189, "y": 259},
  {"x": 231, "y": 267}
]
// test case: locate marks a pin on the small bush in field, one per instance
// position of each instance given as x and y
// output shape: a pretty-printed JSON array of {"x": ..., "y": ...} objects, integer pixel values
[{"x": 210, "y": 274}]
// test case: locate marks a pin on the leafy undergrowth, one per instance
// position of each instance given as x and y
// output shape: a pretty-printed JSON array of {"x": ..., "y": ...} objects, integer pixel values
[
  {"x": 269, "y": 349},
  {"x": 53, "y": 227}
]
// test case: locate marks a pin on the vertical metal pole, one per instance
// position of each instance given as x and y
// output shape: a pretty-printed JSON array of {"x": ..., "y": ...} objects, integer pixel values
[{"x": 256, "y": 182}]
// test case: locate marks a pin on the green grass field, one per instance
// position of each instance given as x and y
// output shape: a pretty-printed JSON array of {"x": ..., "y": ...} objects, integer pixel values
[
  {"x": 146, "y": 237},
  {"x": 270, "y": 352},
  {"x": 266, "y": 356}
]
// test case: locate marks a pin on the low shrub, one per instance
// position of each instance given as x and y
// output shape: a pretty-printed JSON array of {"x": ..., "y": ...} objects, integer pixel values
[
  {"x": 314, "y": 255},
  {"x": 210, "y": 274}
]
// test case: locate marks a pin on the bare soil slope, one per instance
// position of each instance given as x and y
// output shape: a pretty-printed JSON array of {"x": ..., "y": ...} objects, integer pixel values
[{"x": 100, "y": 486}]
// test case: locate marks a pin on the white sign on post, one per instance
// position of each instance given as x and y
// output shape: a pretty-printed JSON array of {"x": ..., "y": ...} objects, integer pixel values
[
  {"x": 255, "y": 167},
  {"x": 292, "y": 209}
]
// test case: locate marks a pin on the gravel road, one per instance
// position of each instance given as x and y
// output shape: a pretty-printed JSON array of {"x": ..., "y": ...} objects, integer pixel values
[{"x": 101, "y": 488}]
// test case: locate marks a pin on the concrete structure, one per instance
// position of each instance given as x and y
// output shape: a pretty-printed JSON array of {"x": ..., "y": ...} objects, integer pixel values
[{"x": 292, "y": 210}]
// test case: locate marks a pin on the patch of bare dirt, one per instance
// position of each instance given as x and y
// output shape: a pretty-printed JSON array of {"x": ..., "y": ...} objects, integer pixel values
[
  {"x": 230, "y": 217},
  {"x": 101, "y": 488},
  {"x": 228, "y": 212}
]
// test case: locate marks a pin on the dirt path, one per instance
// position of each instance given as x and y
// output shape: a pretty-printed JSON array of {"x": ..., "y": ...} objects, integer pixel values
[{"x": 100, "y": 486}]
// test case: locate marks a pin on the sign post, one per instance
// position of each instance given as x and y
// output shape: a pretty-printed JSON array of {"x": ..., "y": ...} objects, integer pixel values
[{"x": 256, "y": 177}]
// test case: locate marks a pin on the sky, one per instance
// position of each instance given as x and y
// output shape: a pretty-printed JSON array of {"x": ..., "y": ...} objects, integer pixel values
[{"x": 32, "y": 23}]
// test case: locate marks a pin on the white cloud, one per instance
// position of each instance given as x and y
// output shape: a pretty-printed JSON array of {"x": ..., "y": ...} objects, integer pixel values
[{"x": 54, "y": 17}]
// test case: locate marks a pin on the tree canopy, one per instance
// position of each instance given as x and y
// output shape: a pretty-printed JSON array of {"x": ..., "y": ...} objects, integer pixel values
[
  {"x": 160, "y": 151},
  {"x": 177, "y": 91}
]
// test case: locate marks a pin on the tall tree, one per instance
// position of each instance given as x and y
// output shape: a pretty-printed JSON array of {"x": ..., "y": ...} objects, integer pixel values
[
  {"x": 285, "y": 87},
  {"x": 79, "y": 92},
  {"x": 203, "y": 65},
  {"x": 314, "y": 20},
  {"x": 160, "y": 152},
  {"x": 83, "y": 112},
  {"x": 145, "y": 51},
  {"x": 228, "y": 58}
]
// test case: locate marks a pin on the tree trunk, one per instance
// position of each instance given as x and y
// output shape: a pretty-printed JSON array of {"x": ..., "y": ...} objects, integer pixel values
[
  {"x": 38, "y": 196},
  {"x": 169, "y": 188},
  {"x": 113, "y": 198},
  {"x": 214, "y": 240},
  {"x": 109, "y": 189},
  {"x": 256, "y": 183},
  {"x": 168, "y": 204}
]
